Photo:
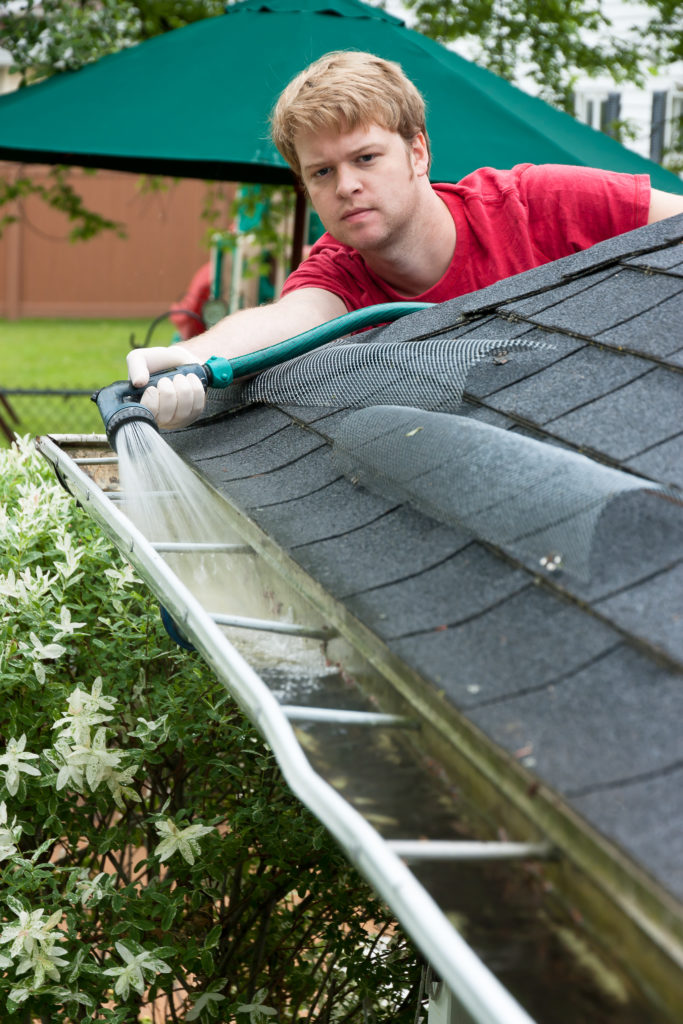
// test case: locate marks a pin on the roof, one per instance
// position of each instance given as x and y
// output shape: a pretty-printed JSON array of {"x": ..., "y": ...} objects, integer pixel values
[{"x": 578, "y": 679}]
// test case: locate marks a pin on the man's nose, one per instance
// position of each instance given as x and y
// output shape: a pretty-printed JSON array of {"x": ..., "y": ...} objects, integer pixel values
[{"x": 348, "y": 180}]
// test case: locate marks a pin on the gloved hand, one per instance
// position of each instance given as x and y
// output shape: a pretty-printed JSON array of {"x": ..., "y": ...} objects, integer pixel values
[{"x": 176, "y": 401}]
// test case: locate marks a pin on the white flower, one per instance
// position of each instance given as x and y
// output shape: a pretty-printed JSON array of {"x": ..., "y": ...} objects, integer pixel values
[
  {"x": 32, "y": 499},
  {"x": 72, "y": 556},
  {"x": 132, "y": 973},
  {"x": 44, "y": 961},
  {"x": 257, "y": 1010},
  {"x": 34, "y": 941},
  {"x": 71, "y": 768},
  {"x": 29, "y": 930},
  {"x": 84, "y": 711},
  {"x": 80, "y": 757},
  {"x": 6, "y": 521},
  {"x": 121, "y": 577},
  {"x": 9, "y": 835},
  {"x": 94, "y": 764},
  {"x": 181, "y": 840},
  {"x": 14, "y": 758},
  {"x": 25, "y": 587},
  {"x": 118, "y": 783},
  {"x": 22, "y": 450},
  {"x": 98, "y": 760},
  {"x": 65, "y": 627},
  {"x": 8, "y": 584},
  {"x": 40, "y": 651},
  {"x": 38, "y": 505},
  {"x": 91, "y": 890},
  {"x": 20, "y": 994}
]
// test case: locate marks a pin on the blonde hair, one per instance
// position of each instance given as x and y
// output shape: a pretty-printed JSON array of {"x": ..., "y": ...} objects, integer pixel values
[{"x": 345, "y": 90}]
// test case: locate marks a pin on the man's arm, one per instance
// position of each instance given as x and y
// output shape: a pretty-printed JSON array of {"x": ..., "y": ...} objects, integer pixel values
[
  {"x": 178, "y": 401},
  {"x": 663, "y": 204}
]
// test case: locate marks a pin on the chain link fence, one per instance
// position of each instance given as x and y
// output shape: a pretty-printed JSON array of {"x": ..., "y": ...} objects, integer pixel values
[{"x": 37, "y": 411}]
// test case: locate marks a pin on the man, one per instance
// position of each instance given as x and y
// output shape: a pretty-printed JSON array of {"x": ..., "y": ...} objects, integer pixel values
[{"x": 352, "y": 127}]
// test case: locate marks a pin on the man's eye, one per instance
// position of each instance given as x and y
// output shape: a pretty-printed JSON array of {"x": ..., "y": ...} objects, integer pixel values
[
  {"x": 322, "y": 172},
  {"x": 365, "y": 158}
]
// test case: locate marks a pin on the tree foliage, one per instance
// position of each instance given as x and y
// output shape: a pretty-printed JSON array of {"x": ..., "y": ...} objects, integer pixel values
[
  {"x": 59, "y": 194},
  {"x": 549, "y": 42},
  {"x": 154, "y": 864},
  {"x": 46, "y": 37},
  {"x": 665, "y": 32}
]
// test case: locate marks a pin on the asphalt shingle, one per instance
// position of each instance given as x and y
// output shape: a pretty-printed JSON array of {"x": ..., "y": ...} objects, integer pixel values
[
  {"x": 654, "y": 331},
  {"x": 603, "y": 303},
  {"x": 568, "y": 384},
  {"x": 624, "y": 423},
  {"x": 615, "y": 720},
  {"x": 643, "y": 818},
  {"x": 523, "y": 643},
  {"x": 432, "y": 599},
  {"x": 663, "y": 462}
]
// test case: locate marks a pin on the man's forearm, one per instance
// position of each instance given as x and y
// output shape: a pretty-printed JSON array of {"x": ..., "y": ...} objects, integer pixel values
[
  {"x": 250, "y": 330},
  {"x": 179, "y": 400},
  {"x": 663, "y": 205}
]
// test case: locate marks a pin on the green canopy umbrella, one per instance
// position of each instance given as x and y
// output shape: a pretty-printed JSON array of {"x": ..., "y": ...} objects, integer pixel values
[{"x": 195, "y": 102}]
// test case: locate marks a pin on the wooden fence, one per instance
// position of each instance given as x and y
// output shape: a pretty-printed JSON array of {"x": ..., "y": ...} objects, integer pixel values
[{"x": 43, "y": 274}]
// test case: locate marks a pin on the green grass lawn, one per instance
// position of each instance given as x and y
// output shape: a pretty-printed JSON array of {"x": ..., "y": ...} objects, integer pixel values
[
  {"x": 70, "y": 353},
  {"x": 65, "y": 354}
]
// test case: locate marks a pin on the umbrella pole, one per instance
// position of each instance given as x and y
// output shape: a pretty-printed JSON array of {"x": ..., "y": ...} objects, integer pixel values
[{"x": 300, "y": 223}]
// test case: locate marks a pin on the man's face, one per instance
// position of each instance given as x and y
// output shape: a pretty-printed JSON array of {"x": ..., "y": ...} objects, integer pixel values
[{"x": 362, "y": 183}]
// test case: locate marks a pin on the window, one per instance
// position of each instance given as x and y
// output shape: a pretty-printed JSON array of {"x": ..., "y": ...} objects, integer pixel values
[
  {"x": 599, "y": 109},
  {"x": 666, "y": 132},
  {"x": 676, "y": 122}
]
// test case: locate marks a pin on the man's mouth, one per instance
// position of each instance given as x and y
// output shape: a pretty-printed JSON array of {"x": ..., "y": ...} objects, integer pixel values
[{"x": 355, "y": 214}]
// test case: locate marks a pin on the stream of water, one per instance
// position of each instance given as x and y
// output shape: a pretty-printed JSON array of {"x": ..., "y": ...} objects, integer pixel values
[{"x": 164, "y": 497}]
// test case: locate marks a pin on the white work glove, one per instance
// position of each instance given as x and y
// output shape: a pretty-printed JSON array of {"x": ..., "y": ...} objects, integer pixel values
[{"x": 176, "y": 401}]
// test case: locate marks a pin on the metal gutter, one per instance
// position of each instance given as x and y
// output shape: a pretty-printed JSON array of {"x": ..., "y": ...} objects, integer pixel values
[{"x": 477, "y": 991}]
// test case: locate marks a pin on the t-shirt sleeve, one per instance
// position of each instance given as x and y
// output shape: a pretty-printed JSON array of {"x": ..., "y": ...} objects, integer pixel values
[
  {"x": 318, "y": 270},
  {"x": 571, "y": 208},
  {"x": 337, "y": 269}
]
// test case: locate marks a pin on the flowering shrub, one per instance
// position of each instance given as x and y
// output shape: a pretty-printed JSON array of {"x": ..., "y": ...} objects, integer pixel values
[{"x": 154, "y": 865}]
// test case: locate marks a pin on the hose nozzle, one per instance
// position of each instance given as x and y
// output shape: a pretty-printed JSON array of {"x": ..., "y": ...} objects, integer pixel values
[{"x": 119, "y": 403}]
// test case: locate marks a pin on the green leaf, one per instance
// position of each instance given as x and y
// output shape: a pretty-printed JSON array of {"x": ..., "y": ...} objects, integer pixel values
[
  {"x": 14, "y": 904},
  {"x": 168, "y": 917},
  {"x": 213, "y": 936}
]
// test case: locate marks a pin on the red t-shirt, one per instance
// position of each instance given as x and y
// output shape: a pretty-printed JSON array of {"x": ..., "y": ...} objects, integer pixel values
[{"x": 506, "y": 222}]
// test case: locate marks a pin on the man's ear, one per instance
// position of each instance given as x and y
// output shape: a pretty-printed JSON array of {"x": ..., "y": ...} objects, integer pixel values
[{"x": 419, "y": 152}]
